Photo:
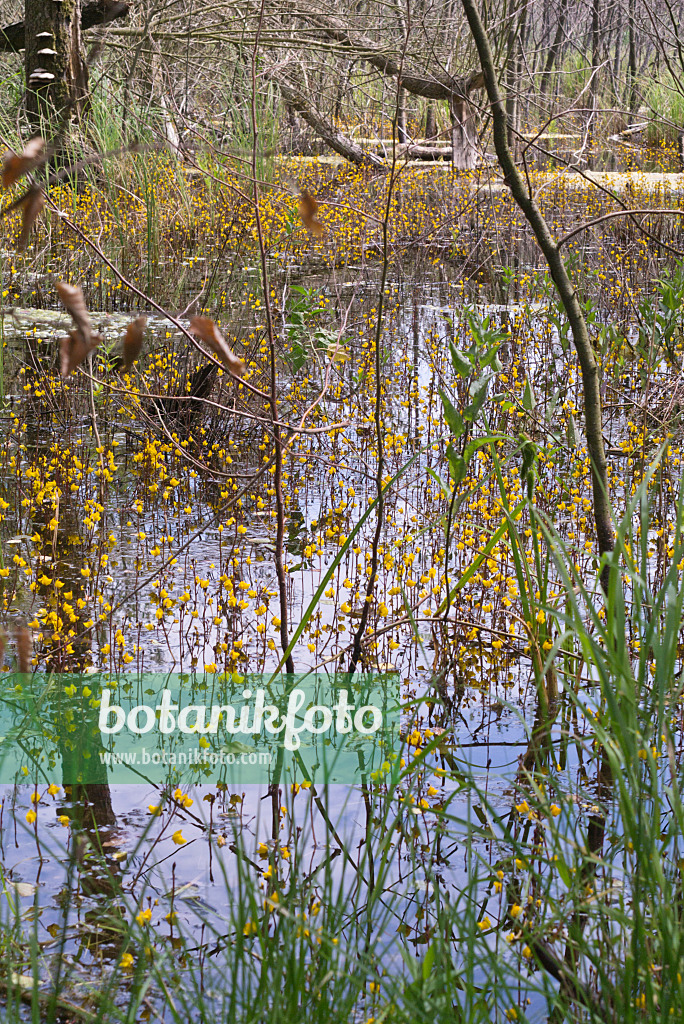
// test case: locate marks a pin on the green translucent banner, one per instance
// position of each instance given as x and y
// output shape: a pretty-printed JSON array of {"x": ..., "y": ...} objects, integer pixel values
[{"x": 189, "y": 728}]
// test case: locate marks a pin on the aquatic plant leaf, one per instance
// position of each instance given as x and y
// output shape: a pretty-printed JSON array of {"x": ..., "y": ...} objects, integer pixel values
[
  {"x": 72, "y": 298},
  {"x": 73, "y": 349},
  {"x": 308, "y": 208},
  {"x": 31, "y": 205},
  {"x": 452, "y": 416},
  {"x": 133, "y": 339},
  {"x": 15, "y": 166},
  {"x": 462, "y": 365},
  {"x": 207, "y": 331},
  {"x": 529, "y": 401}
]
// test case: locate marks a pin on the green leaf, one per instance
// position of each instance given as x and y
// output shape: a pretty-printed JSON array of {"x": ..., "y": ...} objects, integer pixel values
[
  {"x": 460, "y": 361},
  {"x": 452, "y": 417},
  {"x": 428, "y": 962},
  {"x": 529, "y": 401},
  {"x": 478, "y": 393},
  {"x": 563, "y": 871},
  {"x": 457, "y": 465},
  {"x": 444, "y": 487},
  {"x": 298, "y": 356}
]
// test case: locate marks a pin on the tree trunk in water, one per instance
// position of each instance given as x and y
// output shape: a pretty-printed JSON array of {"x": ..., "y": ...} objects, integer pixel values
[
  {"x": 56, "y": 72},
  {"x": 430, "y": 121},
  {"x": 464, "y": 143}
]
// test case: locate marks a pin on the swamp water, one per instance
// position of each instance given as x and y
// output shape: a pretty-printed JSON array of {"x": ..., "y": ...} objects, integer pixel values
[{"x": 263, "y": 900}]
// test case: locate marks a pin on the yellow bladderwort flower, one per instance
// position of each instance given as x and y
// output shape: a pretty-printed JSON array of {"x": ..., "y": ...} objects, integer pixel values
[
  {"x": 127, "y": 961},
  {"x": 144, "y": 917},
  {"x": 31, "y": 817},
  {"x": 178, "y": 838}
]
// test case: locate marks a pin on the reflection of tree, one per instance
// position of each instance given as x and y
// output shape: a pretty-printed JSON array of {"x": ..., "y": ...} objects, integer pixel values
[{"x": 65, "y": 649}]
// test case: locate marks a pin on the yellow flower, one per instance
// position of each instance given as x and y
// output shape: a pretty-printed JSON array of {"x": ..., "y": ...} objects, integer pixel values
[
  {"x": 178, "y": 838},
  {"x": 63, "y": 819},
  {"x": 515, "y": 911},
  {"x": 144, "y": 917},
  {"x": 53, "y": 789},
  {"x": 154, "y": 809},
  {"x": 127, "y": 961},
  {"x": 250, "y": 928},
  {"x": 484, "y": 924},
  {"x": 31, "y": 817}
]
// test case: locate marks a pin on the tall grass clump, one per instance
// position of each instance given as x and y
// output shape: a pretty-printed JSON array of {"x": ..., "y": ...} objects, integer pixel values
[
  {"x": 604, "y": 900},
  {"x": 665, "y": 101}
]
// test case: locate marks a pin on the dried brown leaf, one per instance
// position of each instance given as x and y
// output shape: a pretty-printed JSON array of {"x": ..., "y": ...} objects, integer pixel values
[
  {"x": 31, "y": 206},
  {"x": 308, "y": 208},
  {"x": 72, "y": 298},
  {"x": 15, "y": 166},
  {"x": 73, "y": 350},
  {"x": 207, "y": 331},
  {"x": 23, "y": 641},
  {"x": 133, "y": 339}
]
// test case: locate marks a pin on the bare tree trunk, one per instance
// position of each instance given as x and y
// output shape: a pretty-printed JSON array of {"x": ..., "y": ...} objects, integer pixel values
[
  {"x": 631, "y": 99},
  {"x": 595, "y": 61},
  {"x": 338, "y": 142},
  {"x": 618, "y": 55},
  {"x": 342, "y": 90},
  {"x": 93, "y": 13},
  {"x": 430, "y": 121},
  {"x": 401, "y": 116},
  {"x": 465, "y": 153},
  {"x": 511, "y": 83},
  {"x": 56, "y": 72},
  {"x": 554, "y": 50}
]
